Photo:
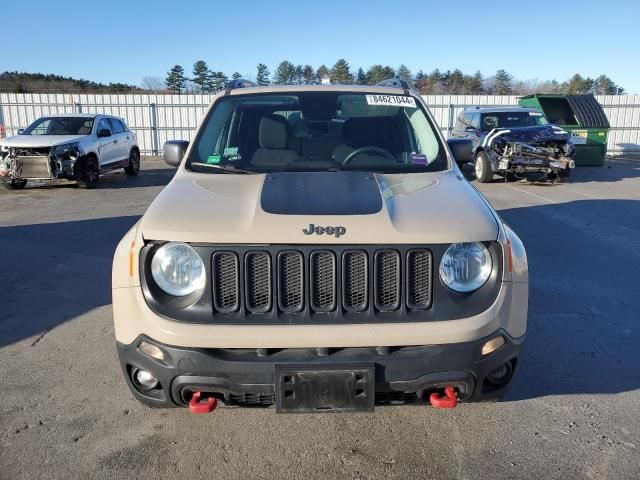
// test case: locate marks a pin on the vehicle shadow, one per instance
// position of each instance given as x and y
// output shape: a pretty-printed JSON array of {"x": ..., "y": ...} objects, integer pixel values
[
  {"x": 584, "y": 306},
  {"x": 53, "y": 272},
  {"x": 156, "y": 177},
  {"x": 615, "y": 169}
]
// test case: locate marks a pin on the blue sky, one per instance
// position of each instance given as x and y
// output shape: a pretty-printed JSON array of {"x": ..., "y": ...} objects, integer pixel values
[{"x": 118, "y": 41}]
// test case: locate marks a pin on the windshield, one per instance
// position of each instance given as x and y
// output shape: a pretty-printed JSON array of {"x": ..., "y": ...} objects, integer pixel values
[
  {"x": 317, "y": 131},
  {"x": 60, "y": 126},
  {"x": 512, "y": 119}
]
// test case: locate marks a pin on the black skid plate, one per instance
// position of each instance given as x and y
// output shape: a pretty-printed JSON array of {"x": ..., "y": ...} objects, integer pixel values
[{"x": 330, "y": 388}]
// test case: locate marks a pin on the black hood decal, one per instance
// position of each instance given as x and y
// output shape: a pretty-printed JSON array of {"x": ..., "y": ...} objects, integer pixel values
[{"x": 321, "y": 193}]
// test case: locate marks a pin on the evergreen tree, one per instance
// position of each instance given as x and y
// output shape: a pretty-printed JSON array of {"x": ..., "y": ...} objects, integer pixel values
[
  {"x": 322, "y": 72},
  {"x": 175, "y": 79},
  {"x": 200, "y": 74},
  {"x": 378, "y": 73},
  {"x": 308, "y": 74},
  {"x": 455, "y": 83},
  {"x": 262, "y": 78},
  {"x": 299, "y": 74},
  {"x": 403, "y": 73},
  {"x": 473, "y": 84},
  {"x": 361, "y": 77},
  {"x": 285, "y": 73},
  {"x": 502, "y": 83},
  {"x": 340, "y": 73},
  {"x": 216, "y": 81},
  {"x": 236, "y": 75},
  {"x": 603, "y": 85}
]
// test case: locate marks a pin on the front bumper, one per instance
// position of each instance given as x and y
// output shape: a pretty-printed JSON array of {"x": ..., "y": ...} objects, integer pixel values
[{"x": 247, "y": 377}]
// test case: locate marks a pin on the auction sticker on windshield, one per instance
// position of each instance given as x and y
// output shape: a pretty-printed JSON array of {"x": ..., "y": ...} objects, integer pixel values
[{"x": 392, "y": 100}]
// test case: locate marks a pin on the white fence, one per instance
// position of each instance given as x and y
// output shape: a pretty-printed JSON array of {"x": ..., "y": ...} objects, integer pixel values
[{"x": 157, "y": 118}]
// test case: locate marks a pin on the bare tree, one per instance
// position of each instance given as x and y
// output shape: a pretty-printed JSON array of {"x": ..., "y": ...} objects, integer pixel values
[{"x": 153, "y": 84}]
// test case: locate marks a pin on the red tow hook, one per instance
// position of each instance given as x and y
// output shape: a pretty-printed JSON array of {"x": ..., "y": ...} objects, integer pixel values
[
  {"x": 448, "y": 401},
  {"x": 206, "y": 406}
]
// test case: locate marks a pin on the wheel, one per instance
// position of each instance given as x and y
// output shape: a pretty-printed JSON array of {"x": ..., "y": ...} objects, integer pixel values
[
  {"x": 565, "y": 174},
  {"x": 484, "y": 173},
  {"x": 134, "y": 164},
  {"x": 89, "y": 173},
  {"x": 15, "y": 184}
]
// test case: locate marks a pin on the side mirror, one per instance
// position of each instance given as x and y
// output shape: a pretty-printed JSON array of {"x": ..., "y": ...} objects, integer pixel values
[
  {"x": 174, "y": 151},
  {"x": 104, "y": 133},
  {"x": 20, "y": 131},
  {"x": 462, "y": 150}
]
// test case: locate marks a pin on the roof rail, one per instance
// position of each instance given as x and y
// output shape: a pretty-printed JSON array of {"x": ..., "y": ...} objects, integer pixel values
[
  {"x": 393, "y": 82},
  {"x": 240, "y": 83}
]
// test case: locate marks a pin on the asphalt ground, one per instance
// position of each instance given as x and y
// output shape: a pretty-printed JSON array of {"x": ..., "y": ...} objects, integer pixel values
[{"x": 573, "y": 411}]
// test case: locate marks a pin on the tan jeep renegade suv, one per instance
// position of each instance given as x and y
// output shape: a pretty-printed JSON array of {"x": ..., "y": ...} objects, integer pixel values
[{"x": 318, "y": 250}]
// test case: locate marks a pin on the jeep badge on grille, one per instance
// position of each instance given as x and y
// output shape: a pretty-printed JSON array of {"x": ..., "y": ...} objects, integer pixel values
[{"x": 318, "y": 230}]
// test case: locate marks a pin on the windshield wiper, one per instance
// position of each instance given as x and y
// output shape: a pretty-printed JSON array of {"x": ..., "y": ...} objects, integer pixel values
[{"x": 224, "y": 168}]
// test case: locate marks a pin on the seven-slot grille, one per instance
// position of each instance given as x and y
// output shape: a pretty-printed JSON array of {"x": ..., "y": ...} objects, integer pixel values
[{"x": 322, "y": 281}]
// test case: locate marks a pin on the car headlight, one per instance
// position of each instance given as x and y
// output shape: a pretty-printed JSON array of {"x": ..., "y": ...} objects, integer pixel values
[
  {"x": 465, "y": 267},
  {"x": 66, "y": 151},
  {"x": 177, "y": 269}
]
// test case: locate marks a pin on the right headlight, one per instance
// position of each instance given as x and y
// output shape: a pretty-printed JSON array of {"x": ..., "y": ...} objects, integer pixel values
[
  {"x": 177, "y": 269},
  {"x": 465, "y": 267}
]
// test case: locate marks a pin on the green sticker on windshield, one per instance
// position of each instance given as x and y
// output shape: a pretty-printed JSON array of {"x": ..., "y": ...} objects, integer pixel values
[{"x": 213, "y": 159}]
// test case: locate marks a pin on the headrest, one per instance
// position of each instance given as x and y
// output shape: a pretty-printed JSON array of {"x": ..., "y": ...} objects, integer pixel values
[{"x": 273, "y": 132}]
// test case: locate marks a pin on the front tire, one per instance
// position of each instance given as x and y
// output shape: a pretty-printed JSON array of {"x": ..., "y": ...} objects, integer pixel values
[
  {"x": 134, "y": 164},
  {"x": 89, "y": 173},
  {"x": 482, "y": 167},
  {"x": 15, "y": 184}
]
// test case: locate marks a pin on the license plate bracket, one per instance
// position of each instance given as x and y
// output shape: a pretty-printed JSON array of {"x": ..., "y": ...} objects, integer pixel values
[{"x": 331, "y": 388}]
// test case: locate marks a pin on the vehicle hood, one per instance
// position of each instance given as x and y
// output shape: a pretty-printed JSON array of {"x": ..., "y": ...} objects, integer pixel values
[
  {"x": 35, "y": 141},
  {"x": 277, "y": 208},
  {"x": 543, "y": 133}
]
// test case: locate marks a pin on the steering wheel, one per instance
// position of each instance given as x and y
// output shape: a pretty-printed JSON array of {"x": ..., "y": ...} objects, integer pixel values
[{"x": 381, "y": 152}]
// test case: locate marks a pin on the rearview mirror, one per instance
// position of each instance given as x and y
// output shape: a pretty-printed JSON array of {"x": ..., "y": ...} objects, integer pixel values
[
  {"x": 461, "y": 149},
  {"x": 174, "y": 151},
  {"x": 104, "y": 133}
]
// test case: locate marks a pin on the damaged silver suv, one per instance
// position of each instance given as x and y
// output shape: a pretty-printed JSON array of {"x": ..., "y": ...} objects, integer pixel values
[
  {"x": 71, "y": 147},
  {"x": 318, "y": 250}
]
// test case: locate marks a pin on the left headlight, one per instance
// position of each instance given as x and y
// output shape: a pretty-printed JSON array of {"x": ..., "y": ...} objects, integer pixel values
[
  {"x": 67, "y": 150},
  {"x": 465, "y": 267},
  {"x": 177, "y": 269}
]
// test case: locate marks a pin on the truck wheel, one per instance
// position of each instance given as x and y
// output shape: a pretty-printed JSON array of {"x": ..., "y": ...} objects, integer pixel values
[
  {"x": 484, "y": 173},
  {"x": 134, "y": 164},
  {"x": 15, "y": 184},
  {"x": 89, "y": 173}
]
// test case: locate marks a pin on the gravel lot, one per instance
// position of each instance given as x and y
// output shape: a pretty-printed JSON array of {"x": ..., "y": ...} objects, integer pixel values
[{"x": 65, "y": 411}]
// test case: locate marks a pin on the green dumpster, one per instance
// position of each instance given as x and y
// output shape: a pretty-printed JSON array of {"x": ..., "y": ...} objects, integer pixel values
[{"x": 580, "y": 115}]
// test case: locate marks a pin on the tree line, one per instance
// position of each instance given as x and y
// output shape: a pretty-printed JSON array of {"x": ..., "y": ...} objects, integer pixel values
[
  {"x": 203, "y": 79},
  {"x": 22, "y": 82},
  {"x": 455, "y": 82}
]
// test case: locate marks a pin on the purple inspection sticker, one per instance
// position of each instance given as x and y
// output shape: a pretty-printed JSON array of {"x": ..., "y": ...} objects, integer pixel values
[{"x": 418, "y": 159}]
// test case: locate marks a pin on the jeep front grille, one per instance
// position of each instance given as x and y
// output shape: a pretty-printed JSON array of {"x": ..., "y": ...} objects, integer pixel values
[
  {"x": 355, "y": 281},
  {"x": 258, "y": 281},
  {"x": 323, "y": 281},
  {"x": 290, "y": 281},
  {"x": 419, "y": 272},
  {"x": 320, "y": 281},
  {"x": 225, "y": 282}
]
